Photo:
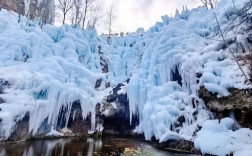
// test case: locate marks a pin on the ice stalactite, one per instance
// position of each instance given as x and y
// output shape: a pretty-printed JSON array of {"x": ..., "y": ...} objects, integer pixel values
[{"x": 47, "y": 71}]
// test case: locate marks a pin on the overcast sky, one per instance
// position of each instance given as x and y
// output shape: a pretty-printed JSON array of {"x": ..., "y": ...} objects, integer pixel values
[{"x": 132, "y": 14}]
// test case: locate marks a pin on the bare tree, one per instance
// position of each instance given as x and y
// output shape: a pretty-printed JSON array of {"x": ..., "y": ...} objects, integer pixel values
[
  {"x": 77, "y": 6},
  {"x": 65, "y": 6},
  {"x": 231, "y": 51},
  {"x": 72, "y": 17},
  {"x": 94, "y": 17},
  {"x": 209, "y": 4},
  {"x": 28, "y": 11},
  {"x": 95, "y": 13},
  {"x": 20, "y": 9},
  {"x": 86, "y": 10},
  {"x": 45, "y": 12},
  {"x": 87, "y": 7},
  {"x": 110, "y": 20},
  {"x": 244, "y": 13}
]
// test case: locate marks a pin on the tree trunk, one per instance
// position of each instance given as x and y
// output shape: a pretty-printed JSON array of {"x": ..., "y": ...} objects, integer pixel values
[
  {"x": 64, "y": 18},
  {"x": 19, "y": 18},
  {"x": 76, "y": 19},
  {"x": 85, "y": 14},
  {"x": 28, "y": 12},
  {"x": 211, "y": 4}
]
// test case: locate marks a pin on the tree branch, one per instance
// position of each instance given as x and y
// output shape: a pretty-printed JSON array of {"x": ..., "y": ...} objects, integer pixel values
[{"x": 231, "y": 51}]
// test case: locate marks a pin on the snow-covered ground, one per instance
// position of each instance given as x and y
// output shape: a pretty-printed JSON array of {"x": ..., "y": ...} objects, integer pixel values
[
  {"x": 51, "y": 68},
  {"x": 218, "y": 138}
]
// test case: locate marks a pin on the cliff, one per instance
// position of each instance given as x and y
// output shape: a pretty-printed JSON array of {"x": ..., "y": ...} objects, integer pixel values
[
  {"x": 17, "y": 6},
  {"x": 31, "y": 8}
]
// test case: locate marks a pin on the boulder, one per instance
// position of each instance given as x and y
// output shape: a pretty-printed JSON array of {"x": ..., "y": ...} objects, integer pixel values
[{"x": 239, "y": 102}]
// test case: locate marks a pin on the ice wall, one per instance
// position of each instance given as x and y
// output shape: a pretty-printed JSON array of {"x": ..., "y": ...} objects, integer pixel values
[
  {"x": 47, "y": 70},
  {"x": 50, "y": 69},
  {"x": 182, "y": 54}
]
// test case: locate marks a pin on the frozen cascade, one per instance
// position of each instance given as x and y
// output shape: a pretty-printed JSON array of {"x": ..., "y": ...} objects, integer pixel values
[
  {"x": 168, "y": 108},
  {"x": 46, "y": 71}
]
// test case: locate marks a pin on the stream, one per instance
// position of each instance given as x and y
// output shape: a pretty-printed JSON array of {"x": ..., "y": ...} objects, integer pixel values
[{"x": 83, "y": 147}]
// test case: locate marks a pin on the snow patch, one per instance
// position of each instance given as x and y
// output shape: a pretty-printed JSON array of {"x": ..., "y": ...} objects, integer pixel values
[{"x": 218, "y": 138}]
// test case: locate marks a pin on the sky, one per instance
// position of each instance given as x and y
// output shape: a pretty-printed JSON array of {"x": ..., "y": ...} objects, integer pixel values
[{"x": 132, "y": 14}]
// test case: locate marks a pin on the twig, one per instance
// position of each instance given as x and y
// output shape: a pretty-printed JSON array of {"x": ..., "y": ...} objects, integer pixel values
[
  {"x": 214, "y": 39},
  {"x": 235, "y": 6},
  {"x": 224, "y": 40}
]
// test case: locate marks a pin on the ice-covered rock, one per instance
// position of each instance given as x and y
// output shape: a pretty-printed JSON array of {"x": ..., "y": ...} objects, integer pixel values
[{"x": 64, "y": 77}]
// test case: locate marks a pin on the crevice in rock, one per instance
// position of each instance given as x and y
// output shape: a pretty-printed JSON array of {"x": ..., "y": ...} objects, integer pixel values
[
  {"x": 3, "y": 84},
  {"x": 176, "y": 76},
  {"x": 76, "y": 123}
]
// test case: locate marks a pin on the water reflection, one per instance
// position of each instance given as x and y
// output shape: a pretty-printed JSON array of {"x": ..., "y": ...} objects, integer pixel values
[
  {"x": 79, "y": 147},
  {"x": 94, "y": 145}
]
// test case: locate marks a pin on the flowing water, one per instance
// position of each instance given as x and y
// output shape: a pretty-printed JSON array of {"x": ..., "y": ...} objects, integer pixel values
[{"x": 83, "y": 147}]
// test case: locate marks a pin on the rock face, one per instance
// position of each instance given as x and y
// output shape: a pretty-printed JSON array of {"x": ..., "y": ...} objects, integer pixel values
[
  {"x": 21, "y": 130},
  {"x": 31, "y": 9},
  {"x": 76, "y": 123},
  {"x": 116, "y": 115},
  {"x": 112, "y": 116},
  {"x": 14, "y": 5},
  {"x": 239, "y": 102}
]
